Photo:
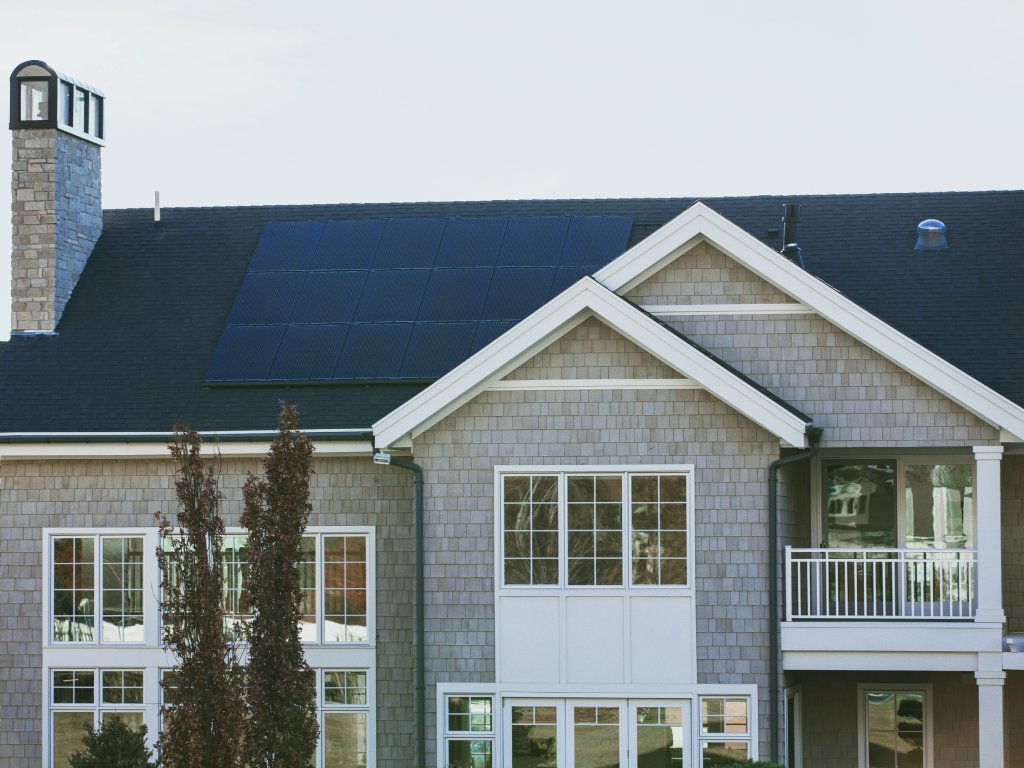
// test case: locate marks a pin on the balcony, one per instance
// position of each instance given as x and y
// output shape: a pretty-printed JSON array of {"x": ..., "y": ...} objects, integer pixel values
[{"x": 880, "y": 584}]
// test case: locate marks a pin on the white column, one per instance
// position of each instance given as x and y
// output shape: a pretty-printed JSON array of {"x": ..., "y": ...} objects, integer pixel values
[
  {"x": 990, "y": 717},
  {"x": 987, "y": 515}
]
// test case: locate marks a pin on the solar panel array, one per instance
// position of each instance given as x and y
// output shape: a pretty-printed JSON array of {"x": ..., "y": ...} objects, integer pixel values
[{"x": 398, "y": 299}]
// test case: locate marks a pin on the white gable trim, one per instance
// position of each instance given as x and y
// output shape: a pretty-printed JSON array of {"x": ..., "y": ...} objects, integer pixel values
[
  {"x": 586, "y": 298},
  {"x": 699, "y": 222}
]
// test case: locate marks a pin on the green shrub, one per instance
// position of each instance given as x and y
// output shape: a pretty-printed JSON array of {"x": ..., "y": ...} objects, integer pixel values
[{"x": 114, "y": 745}]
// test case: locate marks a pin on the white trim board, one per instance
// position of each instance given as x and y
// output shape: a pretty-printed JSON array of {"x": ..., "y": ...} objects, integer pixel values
[
  {"x": 158, "y": 449},
  {"x": 548, "y": 385},
  {"x": 700, "y": 310},
  {"x": 699, "y": 223},
  {"x": 586, "y": 298}
]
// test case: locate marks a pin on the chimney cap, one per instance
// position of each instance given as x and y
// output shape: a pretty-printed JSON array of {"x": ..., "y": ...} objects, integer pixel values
[{"x": 42, "y": 97}]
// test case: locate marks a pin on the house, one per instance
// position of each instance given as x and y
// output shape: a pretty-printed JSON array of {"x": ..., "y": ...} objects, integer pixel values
[{"x": 598, "y": 482}]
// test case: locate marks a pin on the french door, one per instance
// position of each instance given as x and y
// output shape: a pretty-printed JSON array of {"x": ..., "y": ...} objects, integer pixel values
[{"x": 596, "y": 733}]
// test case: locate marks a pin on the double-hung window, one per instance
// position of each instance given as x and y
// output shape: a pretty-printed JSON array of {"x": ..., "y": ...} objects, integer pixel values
[
  {"x": 469, "y": 731},
  {"x": 595, "y": 528},
  {"x": 725, "y": 735}
]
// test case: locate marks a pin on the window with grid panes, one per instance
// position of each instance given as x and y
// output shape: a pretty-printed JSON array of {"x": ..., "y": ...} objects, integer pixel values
[
  {"x": 90, "y": 696},
  {"x": 469, "y": 731},
  {"x": 602, "y": 529},
  {"x": 724, "y": 730}
]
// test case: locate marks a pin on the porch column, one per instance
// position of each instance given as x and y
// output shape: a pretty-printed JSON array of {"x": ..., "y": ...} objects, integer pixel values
[
  {"x": 987, "y": 516},
  {"x": 990, "y": 717}
]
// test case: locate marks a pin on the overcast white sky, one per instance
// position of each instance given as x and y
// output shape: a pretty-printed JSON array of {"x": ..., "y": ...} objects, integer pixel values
[{"x": 218, "y": 102}]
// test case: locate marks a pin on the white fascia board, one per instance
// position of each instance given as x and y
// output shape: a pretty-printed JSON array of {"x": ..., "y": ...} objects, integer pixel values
[
  {"x": 584, "y": 299},
  {"x": 699, "y": 222}
]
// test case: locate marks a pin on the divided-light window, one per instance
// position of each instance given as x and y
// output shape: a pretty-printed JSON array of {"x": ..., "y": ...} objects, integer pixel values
[{"x": 595, "y": 529}]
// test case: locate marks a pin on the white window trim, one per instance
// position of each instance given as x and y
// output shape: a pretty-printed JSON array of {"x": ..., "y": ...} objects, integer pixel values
[
  {"x": 152, "y": 656},
  {"x": 563, "y": 470},
  {"x": 862, "y": 730},
  {"x": 688, "y": 696},
  {"x": 793, "y": 712},
  {"x": 901, "y": 460}
]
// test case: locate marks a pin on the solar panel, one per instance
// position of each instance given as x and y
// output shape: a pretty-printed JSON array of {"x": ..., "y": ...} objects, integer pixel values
[{"x": 394, "y": 299}]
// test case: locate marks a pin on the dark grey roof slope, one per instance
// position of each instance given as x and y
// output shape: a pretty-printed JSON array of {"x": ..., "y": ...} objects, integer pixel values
[{"x": 139, "y": 331}]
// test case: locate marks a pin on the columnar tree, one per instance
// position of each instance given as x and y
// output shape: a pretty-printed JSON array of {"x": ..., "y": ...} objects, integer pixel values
[
  {"x": 203, "y": 724},
  {"x": 282, "y": 729}
]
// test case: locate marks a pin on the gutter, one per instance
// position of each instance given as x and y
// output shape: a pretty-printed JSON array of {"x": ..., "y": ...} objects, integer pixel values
[
  {"x": 775, "y": 584},
  {"x": 379, "y": 457},
  {"x": 226, "y": 436}
]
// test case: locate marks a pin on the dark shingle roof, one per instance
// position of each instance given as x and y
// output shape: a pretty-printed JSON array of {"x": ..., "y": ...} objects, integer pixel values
[{"x": 138, "y": 333}]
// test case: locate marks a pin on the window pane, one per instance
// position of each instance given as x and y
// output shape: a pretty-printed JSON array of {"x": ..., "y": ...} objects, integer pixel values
[
  {"x": 345, "y": 611},
  {"x": 344, "y": 686},
  {"x": 132, "y": 718},
  {"x": 122, "y": 686},
  {"x": 66, "y": 99},
  {"x": 122, "y": 589},
  {"x": 68, "y": 729},
  {"x": 79, "y": 118},
  {"x": 469, "y": 753},
  {"x": 307, "y": 582},
  {"x": 595, "y": 530},
  {"x": 534, "y": 737},
  {"x": 170, "y": 681},
  {"x": 716, "y": 753},
  {"x": 659, "y": 538},
  {"x": 895, "y": 725},
  {"x": 530, "y": 529},
  {"x": 860, "y": 502},
  {"x": 596, "y": 737},
  {"x": 939, "y": 506},
  {"x": 74, "y": 686},
  {"x": 469, "y": 713},
  {"x": 235, "y": 569},
  {"x": 723, "y": 715},
  {"x": 35, "y": 97},
  {"x": 73, "y": 590},
  {"x": 95, "y": 114},
  {"x": 344, "y": 739},
  {"x": 659, "y": 734}
]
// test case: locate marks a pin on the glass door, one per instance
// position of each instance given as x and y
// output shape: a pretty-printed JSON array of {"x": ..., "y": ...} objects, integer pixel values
[{"x": 596, "y": 733}]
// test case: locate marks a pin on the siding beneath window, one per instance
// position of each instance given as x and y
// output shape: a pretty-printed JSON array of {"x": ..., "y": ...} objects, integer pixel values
[{"x": 118, "y": 494}]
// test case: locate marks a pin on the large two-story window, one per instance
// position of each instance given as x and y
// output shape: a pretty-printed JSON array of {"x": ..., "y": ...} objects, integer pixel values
[{"x": 594, "y": 529}]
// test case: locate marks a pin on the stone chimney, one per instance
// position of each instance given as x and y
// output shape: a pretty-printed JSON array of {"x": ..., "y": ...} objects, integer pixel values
[{"x": 56, "y": 212}]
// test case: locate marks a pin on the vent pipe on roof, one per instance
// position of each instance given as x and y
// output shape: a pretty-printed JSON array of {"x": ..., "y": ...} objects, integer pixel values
[
  {"x": 790, "y": 219},
  {"x": 156, "y": 208}
]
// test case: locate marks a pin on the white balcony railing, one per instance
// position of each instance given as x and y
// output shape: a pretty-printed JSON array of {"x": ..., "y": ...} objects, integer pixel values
[{"x": 880, "y": 584}]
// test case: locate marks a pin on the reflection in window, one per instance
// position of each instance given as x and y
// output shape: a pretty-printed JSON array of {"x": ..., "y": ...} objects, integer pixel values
[
  {"x": 939, "y": 506},
  {"x": 595, "y": 736},
  {"x": 35, "y": 100},
  {"x": 235, "y": 598},
  {"x": 534, "y": 737},
  {"x": 659, "y": 736},
  {"x": 344, "y": 730},
  {"x": 659, "y": 529},
  {"x": 595, "y": 529},
  {"x": 79, "y": 118},
  {"x": 895, "y": 729},
  {"x": 725, "y": 730},
  {"x": 531, "y": 529},
  {"x": 860, "y": 504},
  {"x": 74, "y": 589},
  {"x": 122, "y": 589},
  {"x": 75, "y": 703},
  {"x": 471, "y": 725},
  {"x": 345, "y": 589},
  {"x": 723, "y": 753}
]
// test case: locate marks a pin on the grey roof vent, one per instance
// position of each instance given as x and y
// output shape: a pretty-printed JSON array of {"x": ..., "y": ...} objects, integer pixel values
[{"x": 931, "y": 236}]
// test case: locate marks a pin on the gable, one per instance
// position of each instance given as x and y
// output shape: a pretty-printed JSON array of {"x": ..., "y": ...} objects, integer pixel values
[
  {"x": 701, "y": 224},
  {"x": 704, "y": 275},
  {"x": 593, "y": 352},
  {"x": 584, "y": 300}
]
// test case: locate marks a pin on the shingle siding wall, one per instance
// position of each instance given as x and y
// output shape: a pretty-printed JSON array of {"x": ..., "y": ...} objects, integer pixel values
[
  {"x": 117, "y": 494},
  {"x": 730, "y": 455},
  {"x": 855, "y": 394},
  {"x": 830, "y": 730},
  {"x": 592, "y": 350},
  {"x": 705, "y": 275}
]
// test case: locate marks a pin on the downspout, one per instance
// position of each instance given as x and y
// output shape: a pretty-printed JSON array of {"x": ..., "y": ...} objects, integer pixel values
[
  {"x": 814, "y": 439},
  {"x": 421, "y": 686}
]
